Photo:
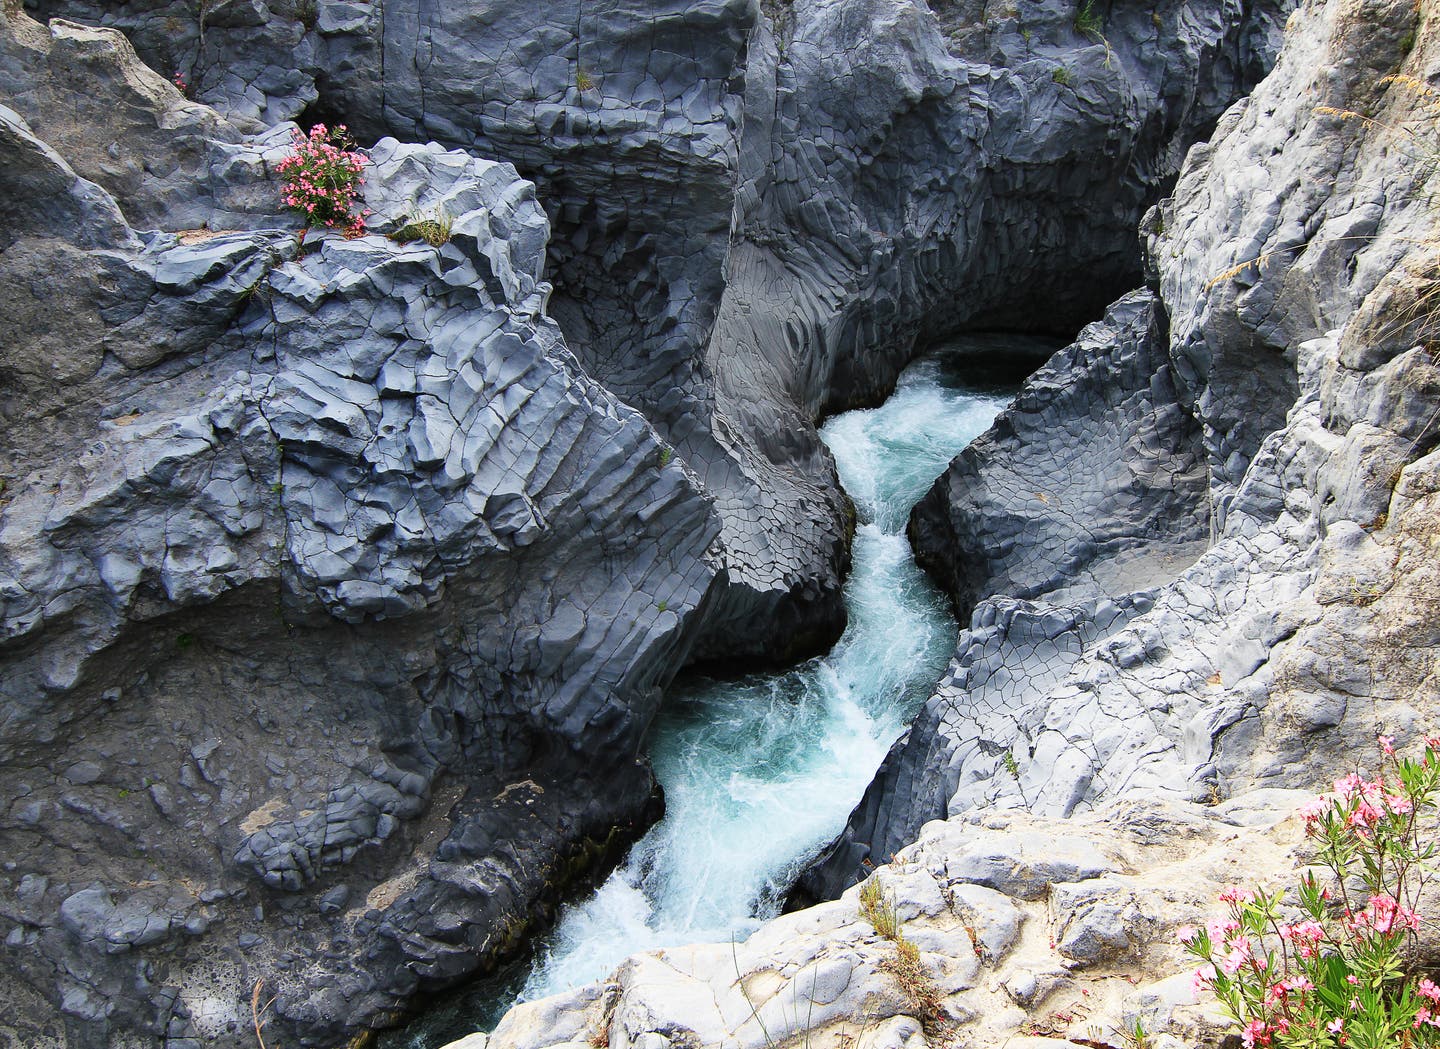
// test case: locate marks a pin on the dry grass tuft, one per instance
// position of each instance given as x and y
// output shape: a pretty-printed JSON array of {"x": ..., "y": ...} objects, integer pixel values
[
  {"x": 926, "y": 999},
  {"x": 919, "y": 987},
  {"x": 258, "y": 1011},
  {"x": 879, "y": 910}
]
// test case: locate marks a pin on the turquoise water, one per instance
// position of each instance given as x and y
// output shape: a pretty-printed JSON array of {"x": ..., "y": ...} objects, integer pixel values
[{"x": 761, "y": 772}]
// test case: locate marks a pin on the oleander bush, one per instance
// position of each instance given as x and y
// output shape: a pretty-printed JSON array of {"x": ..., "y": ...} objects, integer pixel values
[
  {"x": 322, "y": 177},
  {"x": 1335, "y": 961}
]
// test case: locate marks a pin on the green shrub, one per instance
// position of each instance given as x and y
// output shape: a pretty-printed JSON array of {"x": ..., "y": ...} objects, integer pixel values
[
  {"x": 1088, "y": 21},
  {"x": 1335, "y": 964},
  {"x": 432, "y": 229},
  {"x": 879, "y": 910},
  {"x": 322, "y": 176}
]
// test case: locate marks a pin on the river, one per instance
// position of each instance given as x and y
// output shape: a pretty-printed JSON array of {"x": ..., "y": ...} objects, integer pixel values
[{"x": 759, "y": 773}]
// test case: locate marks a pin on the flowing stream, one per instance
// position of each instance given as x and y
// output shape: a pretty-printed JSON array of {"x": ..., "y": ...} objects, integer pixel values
[{"x": 761, "y": 772}]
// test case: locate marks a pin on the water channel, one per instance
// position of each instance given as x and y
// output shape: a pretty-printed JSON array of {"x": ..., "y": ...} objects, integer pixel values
[{"x": 760, "y": 772}]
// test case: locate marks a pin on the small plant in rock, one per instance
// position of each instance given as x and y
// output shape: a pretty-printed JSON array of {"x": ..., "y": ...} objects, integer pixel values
[
  {"x": 433, "y": 229},
  {"x": 905, "y": 965},
  {"x": 322, "y": 179},
  {"x": 1335, "y": 964},
  {"x": 1414, "y": 134},
  {"x": 1012, "y": 768},
  {"x": 879, "y": 910},
  {"x": 1416, "y": 129},
  {"x": 180, "y": 83},
  {"x": 258, "y": 1011},
  {"x": 1061, "y": 76},
  {"x": 1088, "y": 21},
  {"x": 1135, "y": 1036},
  {"x": 307, "y": 13}
]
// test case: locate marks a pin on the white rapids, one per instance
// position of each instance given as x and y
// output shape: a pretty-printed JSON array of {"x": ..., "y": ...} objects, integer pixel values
[{"x": 761, "y": 772}]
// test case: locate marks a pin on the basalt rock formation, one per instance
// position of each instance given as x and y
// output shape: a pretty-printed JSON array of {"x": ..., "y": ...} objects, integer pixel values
[
  {"x": 337, "y": 591},
  {"x": 1028, "y": 928},
  {"x": 756, "y": 214},
  {"x": 319, "y": 665},
  {"x": 1293, "y": 377},
  {"x": 1198, "y": 558}
]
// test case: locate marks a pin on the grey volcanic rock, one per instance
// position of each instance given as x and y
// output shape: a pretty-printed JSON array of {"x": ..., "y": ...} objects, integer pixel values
[
  {"x": 1091, "y": 483},
  {"x": 334, "y": 602},
  {"x": 1049, "y": 532},
  {"x": 337, "y": 592},
  {"x": 758, "y": 213},
  {"x": 169, "y": 163},
  {"x": 119, "y": 123},
  {"x": 1022, "y": 923},
  {"x": 1296, "y": 291}
]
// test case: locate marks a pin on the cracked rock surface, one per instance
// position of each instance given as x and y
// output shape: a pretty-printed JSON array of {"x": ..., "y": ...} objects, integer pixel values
[
  {"x": 1204, "y": 618},
  {"x": 1028, "y": 927},
  {"x": 1197, "y": 555},
  {"x": 758, "y": 212},
  {"x": 320, "y": 664},
  {"x": 337, "y": 591}
]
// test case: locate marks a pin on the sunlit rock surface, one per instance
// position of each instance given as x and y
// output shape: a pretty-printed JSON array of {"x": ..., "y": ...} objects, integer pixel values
[
  {"x": 1128, "y": 649},
  {"x": 338, "y": 592}
]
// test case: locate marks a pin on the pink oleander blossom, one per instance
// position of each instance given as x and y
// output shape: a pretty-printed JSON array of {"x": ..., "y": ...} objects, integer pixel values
[
  {"x": 1304, "y": 936},
  {"x": 322, "y": 179},
  {"x": 1203, "y": 979},
  {"x": 1384, "y": 914},
  {"x": 1329, "y": 963},
  {"x": 1257, "y": 1032}
]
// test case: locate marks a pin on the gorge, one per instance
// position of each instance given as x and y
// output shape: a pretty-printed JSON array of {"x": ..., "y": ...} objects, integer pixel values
[
  {"x": 760, "y": 772},
  {"x": 339, "y": 591}
]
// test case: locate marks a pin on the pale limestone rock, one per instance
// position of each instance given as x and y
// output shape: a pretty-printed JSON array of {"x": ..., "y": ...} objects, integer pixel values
[{"x": 1090, "y": 946}]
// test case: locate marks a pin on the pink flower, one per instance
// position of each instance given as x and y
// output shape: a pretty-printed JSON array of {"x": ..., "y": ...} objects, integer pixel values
[
  {"x": 1221, "y": 931},
  {"x": 1202, "y": 979},
  {"x": 322, "y": 180},
  {"x": 1387, "y": 744},
  {"x": 1336, "y": 1025},
  {"x": 1256, "y": 1033},
  {"x": 1241, "y": 952},
  {"x": 1383, "y": 914},
  {"x": 1305, "y": 936},
  {"x": 1398, "y": 803}
]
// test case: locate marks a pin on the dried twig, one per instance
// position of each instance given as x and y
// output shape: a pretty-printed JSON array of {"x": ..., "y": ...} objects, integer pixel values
[{"x": 257, "y": 1011}]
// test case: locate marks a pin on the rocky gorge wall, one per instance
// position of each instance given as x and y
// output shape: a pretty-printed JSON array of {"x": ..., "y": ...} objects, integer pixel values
[
  {"x": 755, "y": 217},
  {"x": 338, "y": 592},
  {"x": 1265, "y": 444},
  {"x": 319, "y": 666},
  {"x": 1197, "y": 557}
]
